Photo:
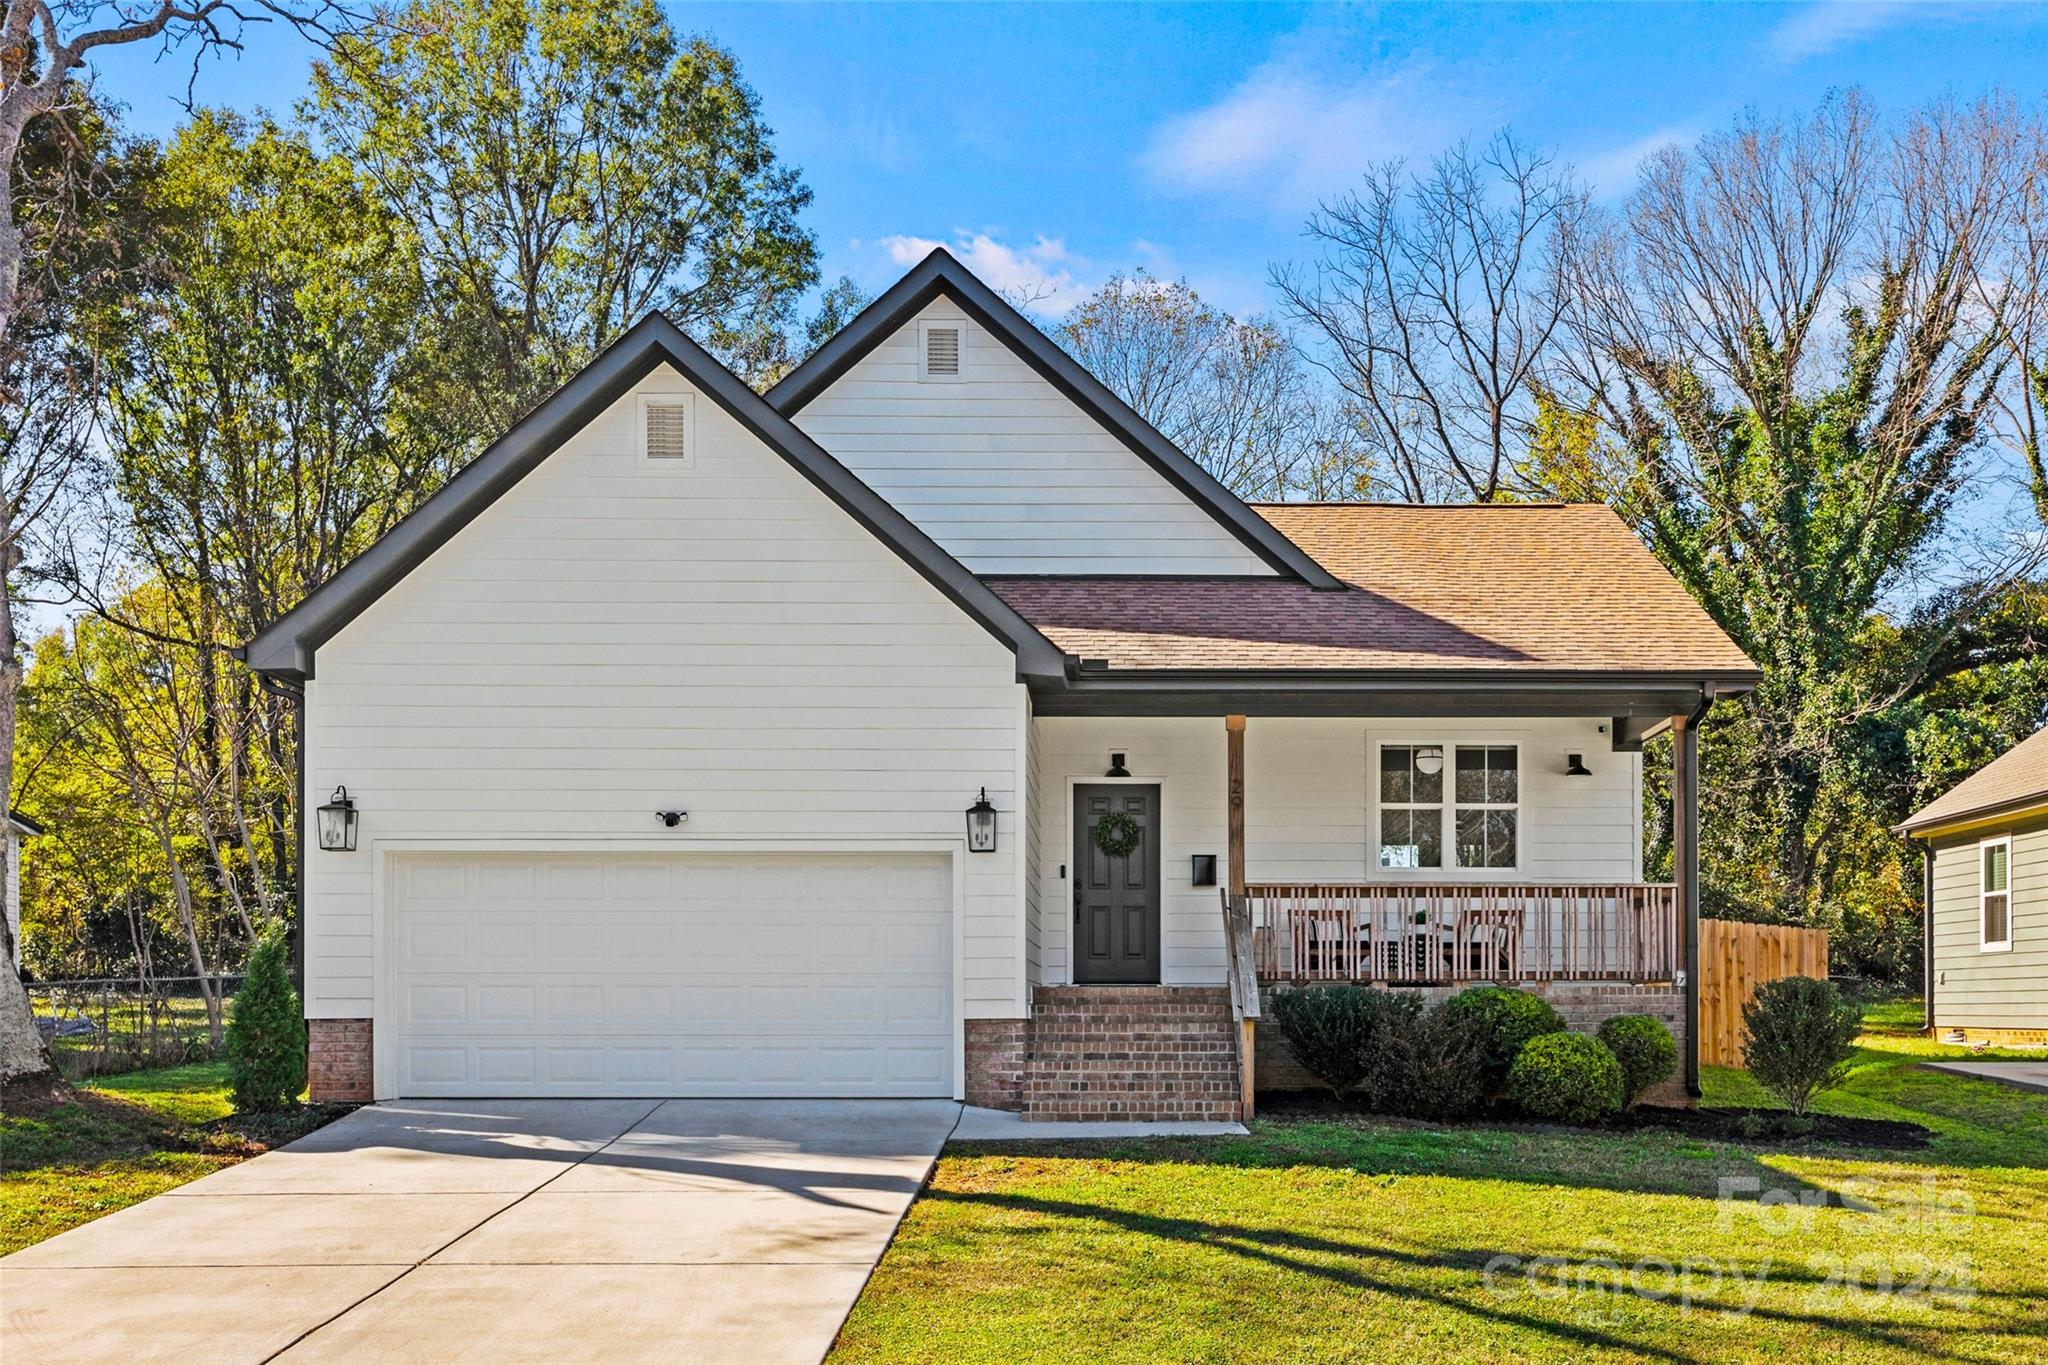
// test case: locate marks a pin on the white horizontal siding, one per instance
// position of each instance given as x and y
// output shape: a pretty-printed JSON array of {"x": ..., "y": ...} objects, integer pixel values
[
  {"x": 1008, "y": 474},
  {"x": 610, "y": 639},
  {"x": 1308, "y": 812},
  {"x": 1998, "y": 989}
]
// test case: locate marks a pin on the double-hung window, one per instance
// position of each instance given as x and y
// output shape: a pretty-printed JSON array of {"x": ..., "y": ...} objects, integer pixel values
[
  {"x": 1444, "y": 805},
  {"x": 1994, "y": 894}
]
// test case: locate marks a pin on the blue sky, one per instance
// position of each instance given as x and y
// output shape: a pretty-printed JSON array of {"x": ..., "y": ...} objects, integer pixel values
[{"x": 1054, "y": 144}]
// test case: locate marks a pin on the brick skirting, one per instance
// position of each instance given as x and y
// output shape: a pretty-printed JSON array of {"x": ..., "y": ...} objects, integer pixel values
[
  {"x": 1131, "y": 1052},
  {"x": 1585, "y": 1006},
  {"x": 996, "y": 1052},
  {"x": 338, "y": 1060}
]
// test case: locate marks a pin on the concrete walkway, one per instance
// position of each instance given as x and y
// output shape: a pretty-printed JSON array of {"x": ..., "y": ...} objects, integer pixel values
[
  {"x": 2021, "y": 1075},
  {"x": 535, "y": 1230}
]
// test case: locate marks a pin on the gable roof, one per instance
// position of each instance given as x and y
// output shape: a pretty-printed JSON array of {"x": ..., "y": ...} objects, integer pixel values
[
  {"x": 941, "y": 274},
  {"x": 287, "y": 648},
  {"x": 2014, "y": 780},
  {"x": 1513, "y": 590}
]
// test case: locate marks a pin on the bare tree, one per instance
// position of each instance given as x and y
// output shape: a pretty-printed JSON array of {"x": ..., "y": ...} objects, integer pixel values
[
  {"x": 1437, "y": 298},
  {"x": 1235, "y": 395}
]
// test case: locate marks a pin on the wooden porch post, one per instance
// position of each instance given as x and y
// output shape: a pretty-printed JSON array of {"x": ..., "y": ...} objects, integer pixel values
[
  {"x": 1685, "y": 868},
  {"x": 1233, "y": 737}
]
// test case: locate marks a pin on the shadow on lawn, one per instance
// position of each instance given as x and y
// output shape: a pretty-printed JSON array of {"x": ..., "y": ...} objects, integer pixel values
[{"x": 1378, "y": 1269}]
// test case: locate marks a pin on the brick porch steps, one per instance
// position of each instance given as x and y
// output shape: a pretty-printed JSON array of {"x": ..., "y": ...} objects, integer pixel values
[{"x": 1131, "y": 1052}]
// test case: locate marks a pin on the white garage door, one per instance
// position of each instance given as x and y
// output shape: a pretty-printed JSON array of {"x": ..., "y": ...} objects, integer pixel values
[{"x": 694, "y": 975}]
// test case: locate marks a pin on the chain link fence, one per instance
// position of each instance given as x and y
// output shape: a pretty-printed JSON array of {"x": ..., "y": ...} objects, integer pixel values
[{"x": 102, "y": 1026}]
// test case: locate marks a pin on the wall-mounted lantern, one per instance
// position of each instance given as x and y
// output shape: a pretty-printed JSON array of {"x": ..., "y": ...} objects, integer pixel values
[
  {"x": 981, "y": 825},
  {"x": 1575, "y": 766},
  {"x": 1116, "y": 767},
  {"x": 337, "y": 822}
]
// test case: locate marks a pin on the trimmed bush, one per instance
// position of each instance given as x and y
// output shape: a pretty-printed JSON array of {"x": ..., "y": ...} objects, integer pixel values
[
  {"x": 266, "y": 1040},
  {"x": 1438, "y": 1067},
  {"x": 1567, "y": 1077},
  {"x": 1798, "y": 1036},
  {"x": 1506, "y": 1020},
  {"x": 1646, "y": 1050},
  {"x": 1342, "y": 1034}
]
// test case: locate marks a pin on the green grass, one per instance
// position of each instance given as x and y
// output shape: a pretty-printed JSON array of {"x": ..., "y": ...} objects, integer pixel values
[
  {"x": 123, "y": 1139},
  {"x": 1371, "y": 1240}
]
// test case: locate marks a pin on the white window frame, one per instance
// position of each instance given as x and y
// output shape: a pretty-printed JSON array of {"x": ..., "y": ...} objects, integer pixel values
[
  {"x": 1447, "y": 809},
  {"x": 1991, "y": 945},
  {"x": 688, "y": 403},
  {"x": 925, "y": 328}
]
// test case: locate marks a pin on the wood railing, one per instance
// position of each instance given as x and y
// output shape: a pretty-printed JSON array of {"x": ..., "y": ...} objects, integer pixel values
[{"x": 1417, "y": 934}]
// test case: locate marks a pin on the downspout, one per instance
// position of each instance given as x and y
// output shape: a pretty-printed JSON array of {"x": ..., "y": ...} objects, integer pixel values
[
  {"x": 1927, "y": 936},
  {"x": 1687, "y": 804}
]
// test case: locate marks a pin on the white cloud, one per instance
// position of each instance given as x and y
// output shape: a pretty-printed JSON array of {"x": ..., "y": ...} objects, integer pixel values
[
  {"x": 1825, "y": 25},
  {"x": 1290, "y": 135},
  {"x": 1611, "y": 174},
  {"x": 1045, "y": 273}
]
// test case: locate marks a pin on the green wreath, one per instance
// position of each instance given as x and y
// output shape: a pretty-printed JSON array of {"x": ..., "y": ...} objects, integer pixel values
[{"x": 1117, "y": 834}]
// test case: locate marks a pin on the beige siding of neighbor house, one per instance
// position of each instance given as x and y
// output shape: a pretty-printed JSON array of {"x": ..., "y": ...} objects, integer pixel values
[
  {"x": 1309, "y": 812},
  {"x": 613, "y": 637},
  {"x": 1976, "y": 988},
  {"x": 1005, "y": 472}
]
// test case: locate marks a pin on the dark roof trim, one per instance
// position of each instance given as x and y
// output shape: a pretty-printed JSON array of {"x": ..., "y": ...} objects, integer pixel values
[
  {"x": 287, "y": 648},
  {"x": 2015, "y": 806},
  {"x": 24, "y": 824},
  {"x": 1312, "y": 696},
  {"x": 939, "y": 273}
]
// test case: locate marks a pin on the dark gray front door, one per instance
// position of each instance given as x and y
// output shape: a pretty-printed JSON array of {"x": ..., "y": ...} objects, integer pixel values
[{"x": 1116, "y": 900}]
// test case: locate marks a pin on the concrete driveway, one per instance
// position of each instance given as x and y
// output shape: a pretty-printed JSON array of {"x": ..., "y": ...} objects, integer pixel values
[{"x": 541, "y": 1230}]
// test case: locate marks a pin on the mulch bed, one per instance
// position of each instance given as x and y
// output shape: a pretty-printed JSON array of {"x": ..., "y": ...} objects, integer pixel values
[{"x": 1772, "y": 1127}]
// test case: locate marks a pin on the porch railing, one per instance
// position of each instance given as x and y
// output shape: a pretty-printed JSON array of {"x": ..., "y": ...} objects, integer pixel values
[{"x": 1428, "y": 934}]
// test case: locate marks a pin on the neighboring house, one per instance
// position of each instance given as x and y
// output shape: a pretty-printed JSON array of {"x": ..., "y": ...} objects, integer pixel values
[
  {"x": 1986, "y": 842},
  {"x": 668, "y": 723},
  {"x": 18, "y": 828}
]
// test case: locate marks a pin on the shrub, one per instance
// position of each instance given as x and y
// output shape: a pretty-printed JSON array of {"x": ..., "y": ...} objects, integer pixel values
[
  {"x": 266, "y": 1040},
  {"x": 1798, "y": 1036},
  {"x": 1506, "y": 1021},
  {"x": 1568, "y": 1077},
  {"x": 1646, "y": 1050},
  {"x": 1342, "y": 1034},
  {"x": 1436, "y": 1066}
]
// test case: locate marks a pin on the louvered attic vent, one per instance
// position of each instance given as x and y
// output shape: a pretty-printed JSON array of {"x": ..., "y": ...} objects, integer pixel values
[
  {"x": 942, "y": 352},
  {"x": 665, "y": 428}
]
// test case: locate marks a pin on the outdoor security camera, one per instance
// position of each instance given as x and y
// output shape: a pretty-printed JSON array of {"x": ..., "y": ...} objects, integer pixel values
[{"x": 671, "y": 818}]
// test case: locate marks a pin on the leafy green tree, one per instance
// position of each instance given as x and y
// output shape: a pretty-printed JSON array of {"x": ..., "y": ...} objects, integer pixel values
[
  {"x": 266, "y": 1041},
  {"x": 566, "y": 168}
]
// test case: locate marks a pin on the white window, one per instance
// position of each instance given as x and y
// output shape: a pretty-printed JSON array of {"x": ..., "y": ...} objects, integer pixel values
[
  {"x": 941, "y": 349},
  {"x": 1468, "y": 817},
  {"x": 1994, "y": 894},
  {"x": 667, "y": 430}
]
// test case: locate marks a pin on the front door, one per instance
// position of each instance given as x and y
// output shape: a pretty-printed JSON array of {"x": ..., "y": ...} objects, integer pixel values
[{"x": 1116, "y": 899}]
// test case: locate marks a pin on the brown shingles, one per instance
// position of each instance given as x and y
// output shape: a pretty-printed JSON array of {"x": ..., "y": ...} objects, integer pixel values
[
  {"x": 1551, "y": 587},
  {"x": 2017, "y": 776}
]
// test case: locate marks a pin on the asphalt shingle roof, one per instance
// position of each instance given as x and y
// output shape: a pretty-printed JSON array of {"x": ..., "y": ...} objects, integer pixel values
[
  {"x": 2015, "y": 777},
  {"x": 1559, "y": 587}
]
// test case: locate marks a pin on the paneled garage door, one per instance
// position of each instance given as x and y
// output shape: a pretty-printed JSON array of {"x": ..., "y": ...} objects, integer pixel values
[{"x": 697, "y": 975}]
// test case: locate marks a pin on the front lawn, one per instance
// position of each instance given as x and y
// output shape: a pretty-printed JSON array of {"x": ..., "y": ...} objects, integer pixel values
[
  {"x": 1369, "y": 1239},
  {"x": 123, "y": 1139}
]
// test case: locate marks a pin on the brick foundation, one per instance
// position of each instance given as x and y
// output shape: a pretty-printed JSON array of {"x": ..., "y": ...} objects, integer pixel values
[
  {"x": 996, "y": 1053},
  {"x": 1585, "y": 1005},
  {"x": 338, "y": 1060}
]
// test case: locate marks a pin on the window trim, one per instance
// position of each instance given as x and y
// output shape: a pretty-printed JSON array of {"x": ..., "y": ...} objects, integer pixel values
[
  {"x": 688, "y": 403},
  {"x": 925, "y": 327},
  {"x": 1990, "y": 945},
  {"x": 1451, "y": 869}
]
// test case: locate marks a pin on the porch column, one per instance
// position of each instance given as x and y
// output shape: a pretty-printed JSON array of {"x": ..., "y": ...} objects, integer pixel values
[
  {"x": 1233, "y": 745},
  {"x": 1685, "y": 868}
]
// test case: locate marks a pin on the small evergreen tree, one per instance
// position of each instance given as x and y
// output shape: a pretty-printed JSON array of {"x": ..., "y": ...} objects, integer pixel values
[
  {"x": 266, "y": 1039},
  {"x": 1798, "y": 1037}
]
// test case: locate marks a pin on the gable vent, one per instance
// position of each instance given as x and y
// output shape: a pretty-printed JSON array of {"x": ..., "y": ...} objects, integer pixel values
[
  {"x": 942, "y": 352},
  {"x": 665, "y": 428}
]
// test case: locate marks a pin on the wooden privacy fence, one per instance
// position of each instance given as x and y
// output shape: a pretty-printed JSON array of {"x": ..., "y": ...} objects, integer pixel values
[{"x": 1736, "y": 958}]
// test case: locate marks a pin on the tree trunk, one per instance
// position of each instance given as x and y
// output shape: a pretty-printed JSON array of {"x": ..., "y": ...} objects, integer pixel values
[{"x": 24, "y": 1058}]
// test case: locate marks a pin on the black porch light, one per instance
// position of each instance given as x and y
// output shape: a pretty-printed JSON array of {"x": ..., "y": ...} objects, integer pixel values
[
  {"x": 1575, "y": 766},
  {"x": 337, "y": 821},
  {"x": 981, "y": 825},
  {"x": 1116, "y": 767}
]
